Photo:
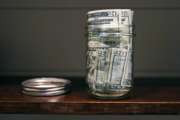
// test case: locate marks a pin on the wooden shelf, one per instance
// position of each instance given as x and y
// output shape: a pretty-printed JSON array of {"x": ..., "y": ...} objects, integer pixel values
[{"x": 150, "y": 96}]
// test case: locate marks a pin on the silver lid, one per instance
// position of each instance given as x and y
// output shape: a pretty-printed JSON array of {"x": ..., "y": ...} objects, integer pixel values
[
  {"x": 43, "y": 90},
  {"x": 45, "y": 86},
  {"x": 46, "y": 83},
  {"x": 48, "y": 93}
]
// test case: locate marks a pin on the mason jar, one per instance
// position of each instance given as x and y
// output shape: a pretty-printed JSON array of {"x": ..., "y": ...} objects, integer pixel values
[{"x": 109, "y": 53}]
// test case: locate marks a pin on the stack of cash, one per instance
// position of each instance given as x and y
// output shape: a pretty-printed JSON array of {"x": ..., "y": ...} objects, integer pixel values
[
  {"x": 109, "y": 55},
  {"x": 46, "y": 86}
]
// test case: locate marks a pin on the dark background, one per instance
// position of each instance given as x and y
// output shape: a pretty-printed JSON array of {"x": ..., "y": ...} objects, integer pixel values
[{"x": 47, "y": 38}]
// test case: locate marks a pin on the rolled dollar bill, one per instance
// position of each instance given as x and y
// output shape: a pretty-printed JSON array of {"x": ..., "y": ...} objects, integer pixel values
[{"x": 109, "y": 55}]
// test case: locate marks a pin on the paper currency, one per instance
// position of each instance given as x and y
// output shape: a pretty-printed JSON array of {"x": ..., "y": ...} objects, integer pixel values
[{"x": 109, "y": 55}]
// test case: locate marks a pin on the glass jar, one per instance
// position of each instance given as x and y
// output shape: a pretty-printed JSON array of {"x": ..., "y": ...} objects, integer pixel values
[{"x": 109, "y": 54}]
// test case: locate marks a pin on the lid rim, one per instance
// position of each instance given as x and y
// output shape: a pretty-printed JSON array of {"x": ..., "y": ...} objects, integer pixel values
[{"x": 39, "y": 82}]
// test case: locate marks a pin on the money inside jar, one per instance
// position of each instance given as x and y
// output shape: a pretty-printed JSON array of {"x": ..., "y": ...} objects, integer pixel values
[{"x": 109, "y": 54}]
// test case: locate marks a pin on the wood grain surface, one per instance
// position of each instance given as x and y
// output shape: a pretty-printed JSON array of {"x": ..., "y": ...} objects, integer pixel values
[{"x": 150, "y": 96}]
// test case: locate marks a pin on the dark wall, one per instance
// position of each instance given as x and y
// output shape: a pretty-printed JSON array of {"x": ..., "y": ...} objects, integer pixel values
[{"x": 47, "y": 37}]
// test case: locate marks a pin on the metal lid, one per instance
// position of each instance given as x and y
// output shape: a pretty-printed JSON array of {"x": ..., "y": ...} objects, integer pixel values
[
  {"x": 43, "y": 90},
  {"x": 46, "y": 83},
  {"x": 45, "y": 86},
  {"x": 51, "y": 93}
]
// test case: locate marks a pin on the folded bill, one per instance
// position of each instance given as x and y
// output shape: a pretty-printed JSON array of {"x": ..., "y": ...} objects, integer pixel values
[{"x": 109, "y": 55}]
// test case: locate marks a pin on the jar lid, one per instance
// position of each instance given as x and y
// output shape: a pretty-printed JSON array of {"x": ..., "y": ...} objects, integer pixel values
[
  {"x": 46, "y": 82},
  {"x": 45, "y": 86},
  {"x": 47, "y": 93}
]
